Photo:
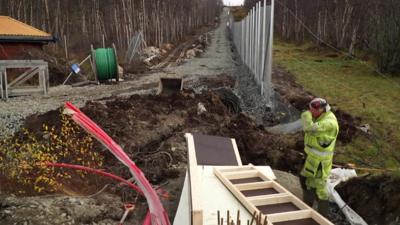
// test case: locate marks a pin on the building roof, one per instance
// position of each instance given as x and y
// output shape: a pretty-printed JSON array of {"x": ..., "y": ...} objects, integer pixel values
[{"x": 12, "y": 30}]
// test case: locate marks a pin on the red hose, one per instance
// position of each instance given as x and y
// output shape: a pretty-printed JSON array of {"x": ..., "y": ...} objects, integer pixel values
[{"x": 158, "y": 214}]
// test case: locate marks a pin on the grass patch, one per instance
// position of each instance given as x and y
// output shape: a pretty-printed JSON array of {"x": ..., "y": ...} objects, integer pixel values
[{"x": 355, "y": 87}]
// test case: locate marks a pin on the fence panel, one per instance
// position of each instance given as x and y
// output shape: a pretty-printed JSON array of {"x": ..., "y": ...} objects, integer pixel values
[{"x": 253, "y": 38}]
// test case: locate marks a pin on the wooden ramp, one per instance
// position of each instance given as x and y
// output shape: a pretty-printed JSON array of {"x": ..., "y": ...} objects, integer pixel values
[
  {"x": 264, "y": 196},
  {"x": 217, "y": 181}
]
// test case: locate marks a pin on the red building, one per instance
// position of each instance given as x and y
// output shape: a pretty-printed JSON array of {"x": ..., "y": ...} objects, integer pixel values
[{"x": 16, "y": 37}]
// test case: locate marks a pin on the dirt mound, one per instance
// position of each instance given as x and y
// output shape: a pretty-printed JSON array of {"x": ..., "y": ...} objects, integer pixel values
[
  {"x": 151, "y": 130},
  {"x": 375, "y": 198},
  {"x": 294, "y": 94},
  {"x": 348, "y": 126},
  {"x": 291, "y": 92},
  {"x": 257, "y": 146}
]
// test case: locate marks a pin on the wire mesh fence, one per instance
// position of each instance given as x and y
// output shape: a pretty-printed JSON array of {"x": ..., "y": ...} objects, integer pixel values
[{"x": 253, "y": 39}]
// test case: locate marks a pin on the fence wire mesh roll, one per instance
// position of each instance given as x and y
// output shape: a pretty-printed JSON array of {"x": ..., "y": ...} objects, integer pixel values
[{"x": 253, "y": 39}]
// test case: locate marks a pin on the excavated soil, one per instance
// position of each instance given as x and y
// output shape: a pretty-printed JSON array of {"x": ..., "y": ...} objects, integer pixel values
[
  {"x": 151, "y": 130},
  {"x": 292, "y": 93},
  {"x": 375, "y": 198}
]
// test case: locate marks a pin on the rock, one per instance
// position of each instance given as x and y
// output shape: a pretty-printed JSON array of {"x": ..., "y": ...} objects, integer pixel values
[
  {"x": 290, "y": 182},
  {"x": 152, "y": 51},
  {"x": 201, "y": 108},
  {"x": 190, "y": 54}
]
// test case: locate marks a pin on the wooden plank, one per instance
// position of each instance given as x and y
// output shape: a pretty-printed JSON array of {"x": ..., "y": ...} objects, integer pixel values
[
  {"x": 241, "y": 174},
  {"x": 29, "y": 76},
  {"x": 224, "y": 169},
  {"x": 236, "y": 152},
  {"x": 5, "y": 83},
  {"x": 195, "y": 192},
  {"x": 47, "y": 79},
  {"x": 254, "y": 186},
  {"x": 16, "y": 82},
  {"x": 288, "y": 216},
  {"x": 1, "y": 84},
  {"x": 24, "y": 92},
  {"x": 15, "y": 64},
  {"x": 270, "y": 199},
  {"x": 42, "y": 81}
]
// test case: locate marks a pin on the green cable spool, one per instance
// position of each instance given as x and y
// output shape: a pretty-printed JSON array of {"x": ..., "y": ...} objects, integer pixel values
[{"x": 106, "y": 64}]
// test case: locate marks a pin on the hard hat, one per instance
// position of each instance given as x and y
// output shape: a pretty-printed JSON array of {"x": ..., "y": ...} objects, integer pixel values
[{"x": 318, "y": 103}]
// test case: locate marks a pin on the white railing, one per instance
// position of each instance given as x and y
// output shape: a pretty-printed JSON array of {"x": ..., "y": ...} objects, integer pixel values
[{"x": 253, "y": 38}]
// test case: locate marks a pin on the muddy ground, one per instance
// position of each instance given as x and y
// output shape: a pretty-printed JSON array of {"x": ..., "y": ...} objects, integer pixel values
[
  {"x": 151, "y": 130},
  {"x": 375, "y": 198}
]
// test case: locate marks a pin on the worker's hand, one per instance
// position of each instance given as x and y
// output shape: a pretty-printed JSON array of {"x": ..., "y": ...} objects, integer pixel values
[{"x": 306, "y": 116}]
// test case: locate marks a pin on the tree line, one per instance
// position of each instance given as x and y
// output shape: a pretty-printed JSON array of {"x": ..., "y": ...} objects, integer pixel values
[
  {"x": 370, "y": 26},
  {"x": 85, "y": 22}
]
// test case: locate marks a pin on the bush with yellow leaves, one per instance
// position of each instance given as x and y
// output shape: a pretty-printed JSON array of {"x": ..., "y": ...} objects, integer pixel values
[{"x": 23, "y": 158}]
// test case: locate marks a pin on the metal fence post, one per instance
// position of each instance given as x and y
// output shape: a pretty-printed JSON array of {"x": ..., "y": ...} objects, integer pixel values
[
  {"x": 264, "y": 45},
  {"x": 253, "y": 38},
  {"x": 270, "y": 46}
]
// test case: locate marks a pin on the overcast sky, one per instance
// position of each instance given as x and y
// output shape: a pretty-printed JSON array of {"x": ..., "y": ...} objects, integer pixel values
[{"x": 233, "y": 2}]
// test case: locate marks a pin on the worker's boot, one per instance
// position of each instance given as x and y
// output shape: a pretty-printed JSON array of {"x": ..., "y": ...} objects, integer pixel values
[
  {"x": 309, "y": 196},
  {"x": 323, "y": 207}
]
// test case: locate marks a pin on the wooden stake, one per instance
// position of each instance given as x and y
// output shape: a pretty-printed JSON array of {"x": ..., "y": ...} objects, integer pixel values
[
  {"x": 66, "y": 47},
  {"x": 219, "y": 217}
]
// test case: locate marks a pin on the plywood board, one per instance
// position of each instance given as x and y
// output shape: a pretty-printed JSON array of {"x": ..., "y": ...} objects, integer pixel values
[{"x": 215, "y": 151}]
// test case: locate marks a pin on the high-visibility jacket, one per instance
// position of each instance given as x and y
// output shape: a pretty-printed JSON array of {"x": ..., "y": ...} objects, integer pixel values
[{"x": 319, "y": 143}]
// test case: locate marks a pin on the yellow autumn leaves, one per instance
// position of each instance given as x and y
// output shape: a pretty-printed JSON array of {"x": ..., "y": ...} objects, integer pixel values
[{"x": 23, "y": 157}]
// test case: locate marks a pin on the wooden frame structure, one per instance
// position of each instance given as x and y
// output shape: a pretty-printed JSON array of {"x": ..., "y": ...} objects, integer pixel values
[
  {"x": 196, "y": 204},
  {"x": 196, "y": 209},
  {"x": 15, "y": 87},
  {"x": 259, "y": 194}
]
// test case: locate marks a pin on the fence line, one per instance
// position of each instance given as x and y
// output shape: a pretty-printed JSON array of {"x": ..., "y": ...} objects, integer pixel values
[{"x": 253, "y": 38}]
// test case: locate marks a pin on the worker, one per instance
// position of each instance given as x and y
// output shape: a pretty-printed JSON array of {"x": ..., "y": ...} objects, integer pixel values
[{"x": 321, "y": 129}]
